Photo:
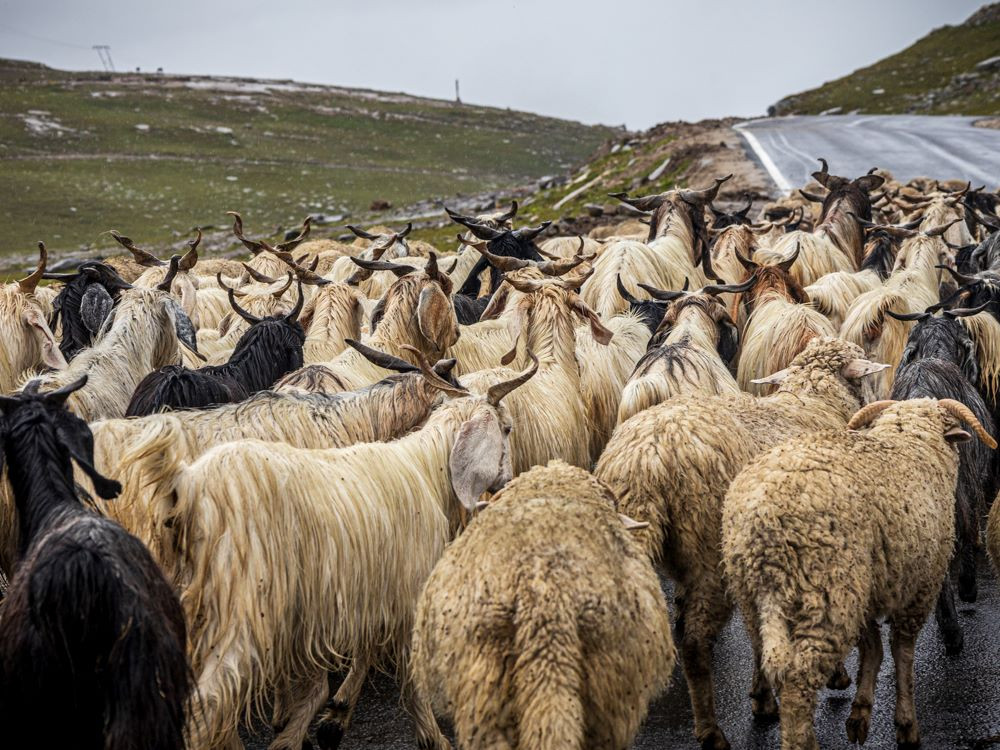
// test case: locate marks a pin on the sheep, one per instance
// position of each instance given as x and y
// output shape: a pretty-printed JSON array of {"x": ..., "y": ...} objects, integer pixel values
[
  {"x": 912, "y": 287},
  {"x": 828, "y": 533},
  {"x": 779, "y": 325},
  {"x": 416, "y": 311},
  {"x": 269, "y": 349},
  {"x": 572, "y": 640},
  {"x": 28, "y": 340},
  {"x": 134, "y": 450},
  {"x": 89, "y": 624},
  {"x": 690, "y": 353},
  {"x": 551, "y": 413},
  {"x": 670, "y": 466},
  {"x": 318, "y": 533},
  {"x": 141, "y": 334}
]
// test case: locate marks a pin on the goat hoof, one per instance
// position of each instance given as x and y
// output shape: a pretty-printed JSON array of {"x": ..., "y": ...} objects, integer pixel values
[
  {"x": 907, "y": 736},
  {"x": 329, "y": 734},
  {"x": 763, "y": 706},
  {"x": 858, "y": 723},
  {"x": 839, "y": 680},
  {"x": 714, "y": 739}
]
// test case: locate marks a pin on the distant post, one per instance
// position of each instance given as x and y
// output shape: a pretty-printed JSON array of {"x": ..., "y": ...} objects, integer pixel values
[{"x": 458, "y": 99}]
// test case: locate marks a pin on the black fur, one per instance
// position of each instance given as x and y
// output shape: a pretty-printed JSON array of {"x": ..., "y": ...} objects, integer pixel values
[
  {"x": 651, "y": 312},
  {"x": 92, "y": 637},
  {"x": 507, "y": 244},
  {"x": 267, "y": 351},
  {"x": 76, "y": 334},
  {"x": 930, "y": 377},
  {"x": 467, "y": 309}
]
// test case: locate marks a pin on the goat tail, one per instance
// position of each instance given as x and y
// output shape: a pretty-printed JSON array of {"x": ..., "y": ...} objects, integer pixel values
[
  {"x": 548, "y": 672},
  {"x": 777, "y": 652}
]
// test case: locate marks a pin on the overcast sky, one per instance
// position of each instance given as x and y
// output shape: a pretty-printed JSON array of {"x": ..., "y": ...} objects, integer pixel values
[{"x": 636, "y": 62}]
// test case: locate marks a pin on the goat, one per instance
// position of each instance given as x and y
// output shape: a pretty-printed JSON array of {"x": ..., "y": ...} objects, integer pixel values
[
  {"x": 89, "y": 623},
  {"x": 83, "y": 304}
]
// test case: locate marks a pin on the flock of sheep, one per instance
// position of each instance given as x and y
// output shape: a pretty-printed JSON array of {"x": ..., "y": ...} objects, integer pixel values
[{"x": 467, "y": 466}]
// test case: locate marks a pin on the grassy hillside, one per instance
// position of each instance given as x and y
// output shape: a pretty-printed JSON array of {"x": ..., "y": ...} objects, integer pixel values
[
  {"x": 937, "y": 75},
  {"x": 155, "y": 155}
]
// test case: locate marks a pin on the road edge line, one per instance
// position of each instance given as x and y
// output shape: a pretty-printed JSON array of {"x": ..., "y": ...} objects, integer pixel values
[{"x": 766, "y": 161}]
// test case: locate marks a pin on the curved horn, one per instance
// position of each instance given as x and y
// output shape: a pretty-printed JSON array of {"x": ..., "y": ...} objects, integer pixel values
[
  {"x": 141, "y": 257},
  {"x": 497, "y": 391},
  {"x": 258, "y": 276},
  {"x": 646, "y": 203},
  {"x": 704, "y": 196},
  {"x": 863, "y": 416},
  {"x": 30, "y": 282},
  {"x": 277, "y": 294},
  {"x": 251, "y": 245},
  {"x": 248, "y": 317},
  {"x": 164, "y": 286},
  {"x": 223, "y": 285},
  {"x": 190, "y": 258},
  {"x": 562, "y": 265},
  {"x": 662, "y": 294},
  {"x": 402, "y": 235},
  {"x": 823, "y": 176},
  {"x": 508, "y": 215},
  {"x": 294, "y": 313},
  {"x": 962, "y": 412},
  {"x": 502, "y": 263},
  {"x": 940, "y": 228},
  {"x": 481, "y": 231},
  {"x": 297, "y": 240},
  {"x": 985, "y": 221},
  {"x": 623, "y": 292},
  {"x": 965, "y": 312},
  {"x": 742, "y": 213},
  {"x": 908, "y": 316},
  {"x": 785, "y": 265},
  {"x": 362, "y": 233},
  {"x": 961, "y": 278},
  {"x": 383, "y": 265},
  {"x": 526, "y": 233},
  {"x": 812, "y": 197},
  {"x": 432, "y": 377},
  {"x": 382, "y": 359},
  {"x": 745, "y": 262},
  {"x": 743, "y": 286}
]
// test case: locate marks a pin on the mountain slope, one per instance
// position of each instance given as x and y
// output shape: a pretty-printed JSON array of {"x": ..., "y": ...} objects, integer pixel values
[
  {"x": 937, "y": 75},
  {"x": 154, "y": 155}
]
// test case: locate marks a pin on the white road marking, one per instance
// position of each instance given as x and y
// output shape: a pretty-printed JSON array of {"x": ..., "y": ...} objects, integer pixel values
[{"x": 772, "y": 169}]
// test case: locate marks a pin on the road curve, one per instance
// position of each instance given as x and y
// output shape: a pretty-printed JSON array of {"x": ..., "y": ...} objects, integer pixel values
[{"x": 906, "y": 145}]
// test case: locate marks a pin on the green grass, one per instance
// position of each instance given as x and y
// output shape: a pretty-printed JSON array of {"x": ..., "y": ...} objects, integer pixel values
[
  {"x": 927, "y": 65},
  {"x": 290, "y": 152}
]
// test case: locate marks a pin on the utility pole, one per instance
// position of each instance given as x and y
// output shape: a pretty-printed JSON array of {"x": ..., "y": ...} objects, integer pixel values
[
  {"x": 104, "y": 52},
  {"x": 458, "y": 99}
]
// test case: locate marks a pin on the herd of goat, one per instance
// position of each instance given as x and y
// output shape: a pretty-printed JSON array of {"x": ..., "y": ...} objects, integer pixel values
[{"x": 468, "y": 466}]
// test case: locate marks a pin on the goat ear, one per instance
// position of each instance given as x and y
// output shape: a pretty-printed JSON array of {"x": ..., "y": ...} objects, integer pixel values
[
  {"x": 76, "y": 436},
  {"x": 51, "y": 355},
  {"x": 184, "y": 328},
  {"x": 859, "y": 368},
  {"x": 476, "y": 459},
  {"x": 869, "y": 182},
  {"x": 601, "y": 334},
  {"x": 497, "y": 303},
  {"x": 436, "y": 317},
  {"x": 95, "y": 306},
  {"x": 957, "y": 435},
  {"x": 970, "y": 362},
  {"x": 774, "y": 378},
  {"x": 729, "y": 339}
]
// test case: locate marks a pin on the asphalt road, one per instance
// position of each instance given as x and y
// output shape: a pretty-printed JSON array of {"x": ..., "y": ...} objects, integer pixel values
[
  {"x": 958, "y": 697},
  {"x": 907, "y": 145}
]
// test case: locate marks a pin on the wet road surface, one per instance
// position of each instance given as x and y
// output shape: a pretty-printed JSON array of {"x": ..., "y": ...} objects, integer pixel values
[
  {"x": 907, "y": 145},
  {"x": 958, "y": 697}
]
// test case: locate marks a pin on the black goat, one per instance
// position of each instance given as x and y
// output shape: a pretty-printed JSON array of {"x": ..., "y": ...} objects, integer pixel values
[
  {"x": 90, "y": 628},
  {"x": 269, "y": 349},
  {"x": 939, "y": 361},
  {"x": 721, "y": 219},
  {"x": 650, "y": 311},
  {"x": 84, "y": 303}
]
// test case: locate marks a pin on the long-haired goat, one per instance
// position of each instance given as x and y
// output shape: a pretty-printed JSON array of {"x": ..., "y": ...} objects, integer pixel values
[
  {"x": 319, "y": 534},
  {"x": 269, "y": 349},
  {"x": 89, "y": 624},
  {"x": 83, "y": 304}
]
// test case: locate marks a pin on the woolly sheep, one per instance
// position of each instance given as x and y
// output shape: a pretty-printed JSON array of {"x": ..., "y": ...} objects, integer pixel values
[
  {"x": 572, "y": 639},
  {"x": 827, "y": 534},
  {"x": 671, "y": 464}
]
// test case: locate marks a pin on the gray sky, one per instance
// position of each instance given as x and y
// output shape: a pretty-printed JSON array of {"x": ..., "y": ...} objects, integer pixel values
[{"x": 638, "y": 62}]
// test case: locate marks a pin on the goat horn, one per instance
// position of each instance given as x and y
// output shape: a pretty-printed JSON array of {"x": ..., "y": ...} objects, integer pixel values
[
  {"x": 248, "y": 317},
  {"x": 509, "y": 215},
  {"x": 383, "y": 359},
  {"x": 623, "y": 292},
  {"x": 30, "y": 282},
  {"x": 823, "y": 176},
  {"x": 645, "y": 203},
  {"x": 563, "y": 265},
  {"x": 908, "y": 316},
  {"x": 432, "y": 377},
  {"x": 986, "y": 222},
  {"x": 785, "y": 265},
  {"x": 258, "y": 276},
  {"x": 164, "y": 286},
  {"x": 297, "y": 240},
  {"x": 190, "y": 258},
  {"x": 294, "y": 314},
  {"x": 383, "y": 265},
  {"x": 704, "y": 196},
  {"x": 526, "y": 286},
  {"x": 362, "y": 233},
  {"x": 497, "y": 391},
  {"x": 743, "y": 286},
  {"x": 502, "y": 263},
  {"x": 223, "y": 285},
  {"x": 940, "y": 229},
  {"x": 529, "y": 233},
  {"x": 277, "y": 294},
  {"x": 745, "y": 262},
  {"x": 252, "y": 245},
  {"x": 964, "y": 413},
  {"x": 863, "y": 416},
  {"x": 141, "y": 257},
  {"x": 662, "y": 294},
  {"x": 961, "y": 278},
  {"x": 481, "y": 231},
  {"x": 812, "y": 197},
  {"x": 965, "y": 312}
]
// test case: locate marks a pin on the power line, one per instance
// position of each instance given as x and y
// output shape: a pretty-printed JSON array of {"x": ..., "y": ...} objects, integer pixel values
[
  {"x": 11, "y": 31},
  {"x": 104, "y": 52}
]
